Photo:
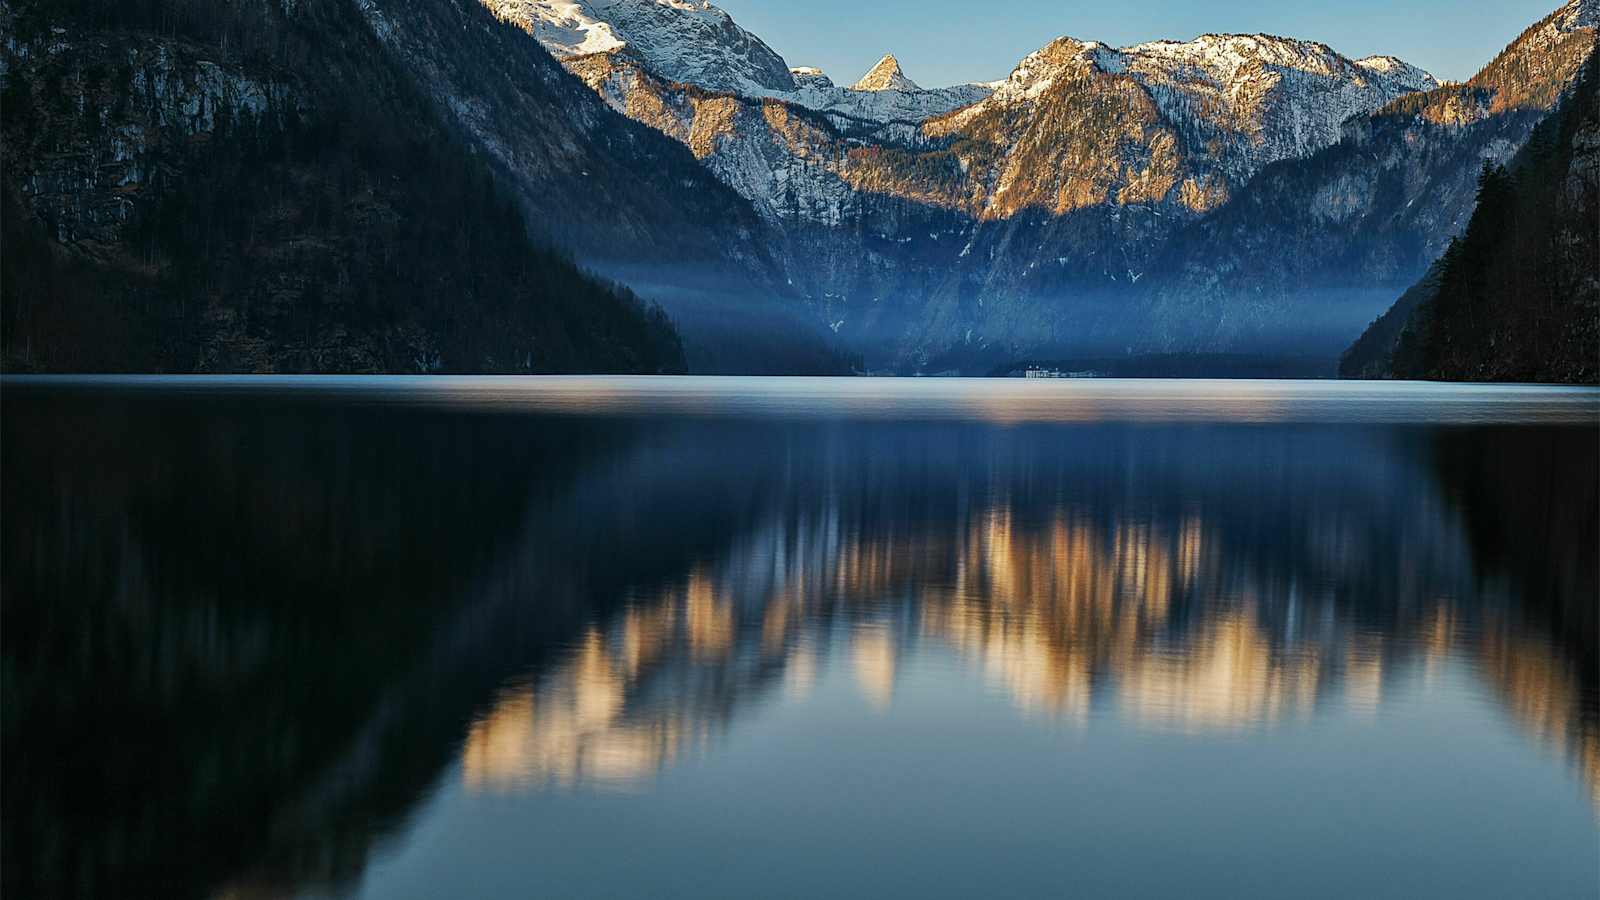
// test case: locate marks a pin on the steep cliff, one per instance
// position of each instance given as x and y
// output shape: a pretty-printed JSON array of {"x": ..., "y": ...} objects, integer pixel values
[
  {"x": 689, "y": 41},
  {"x": 621, "y": 197}
]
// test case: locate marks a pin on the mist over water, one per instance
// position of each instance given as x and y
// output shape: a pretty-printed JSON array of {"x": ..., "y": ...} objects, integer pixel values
[{"x": 602, "y": 637}]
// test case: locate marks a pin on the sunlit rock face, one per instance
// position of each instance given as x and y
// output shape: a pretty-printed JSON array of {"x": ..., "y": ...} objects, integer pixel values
[
  {"x": 574, "y": 165},
  {"x": 688, "y": 41},
  {"x": 1076, "y": 125},
  {"x": 885, "y": 76},
  {"x": 933, "y": 227},
  {"x": 1335, "y": 238},
  {"x": 1079, "y": 123},
  {"x": 1188, "y": 121},
  {"x": 697, "y": 45},
  {"x": 1097, "y": 202}
]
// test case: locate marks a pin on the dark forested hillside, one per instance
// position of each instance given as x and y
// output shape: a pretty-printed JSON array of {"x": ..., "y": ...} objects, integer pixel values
[
  {"x": 1313, "y": 248},
  {"x": 1369, "y": 356},
  {"x": 1517, "y": 297},
  {"x": 195, "y": 185}
]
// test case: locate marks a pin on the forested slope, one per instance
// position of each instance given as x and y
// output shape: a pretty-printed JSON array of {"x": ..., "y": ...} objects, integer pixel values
[
  {"x": 1517, "y": 297},
  {"x": 199, "y": 186}
]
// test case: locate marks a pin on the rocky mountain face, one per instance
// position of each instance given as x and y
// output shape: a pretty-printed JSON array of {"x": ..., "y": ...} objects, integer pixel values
[
  {"x": 885, "y": 76},
  {"x": 1232, "y": 193},
  {"x": 988, "y": 220},
  {"x": 1517, "y": 296},
  {"x": 695, "y": 44},
  {"x": 625, "y": 200},
  {"x": 591, "y": 180},
  {"x": 1168, "y": 123},
  {"x": 884, "y": 105},
  {"x": 687, "y": 41},
  {"x": 1077, "y": 124},
  {"x": 1312, "y": 249}
]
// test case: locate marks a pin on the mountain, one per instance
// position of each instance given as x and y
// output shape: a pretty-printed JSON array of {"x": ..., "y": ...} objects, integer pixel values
[
  {"x": 630, "y": 203},
  {"x": 588, "y": 183},
  {"x": 697, "y": 45},
  {"x": 592, "y": 181},
  {"x": 885, "y": 76},
  {"x": 687, "y": 41},
  {"x": 1517, "y": 296},
  {"x": 1084, "y": 164},
  {"x": 1215, "y": 109},
  {"x": 994, "y": 219},
  {"x": 1223, "y": 106},
  {"x": 1311, "y": 249},
  {"x": 193, "y": 188},
  {"x": 1229, "y": 194},
  {"x": 884, "y": 105}
]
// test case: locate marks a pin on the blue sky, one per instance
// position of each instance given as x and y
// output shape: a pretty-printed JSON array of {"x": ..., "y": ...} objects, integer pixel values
[{"x": 941, "y": 42}]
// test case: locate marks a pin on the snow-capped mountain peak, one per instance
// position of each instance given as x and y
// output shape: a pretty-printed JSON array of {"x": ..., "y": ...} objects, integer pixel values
[
  {"x": 1578, "y": 14},
  {"x": 694, "y": 42},
  {"x": 1225, "y": 58},
  {"x": 1240, "y": 68},
  {"x": 689, "y": 41},
  {"x": 885, "y": 76},
  {"x": 1223, "y": 106}
]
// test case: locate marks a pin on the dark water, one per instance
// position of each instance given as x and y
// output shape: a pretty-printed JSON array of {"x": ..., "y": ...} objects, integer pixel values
[{"x": 609, "y": 637}]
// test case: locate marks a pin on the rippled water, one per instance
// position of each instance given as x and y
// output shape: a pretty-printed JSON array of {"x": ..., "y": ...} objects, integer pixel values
[{"x": 798, "y": 637}]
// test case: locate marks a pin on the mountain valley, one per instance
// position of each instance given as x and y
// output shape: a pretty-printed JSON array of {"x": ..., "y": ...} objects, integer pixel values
[
  {"x": 1097, "y": 201},
  {"x": 1223, "y": 196}
]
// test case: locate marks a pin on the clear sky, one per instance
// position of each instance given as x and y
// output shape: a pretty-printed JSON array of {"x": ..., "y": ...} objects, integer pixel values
[{"x": 940, "y": 42}]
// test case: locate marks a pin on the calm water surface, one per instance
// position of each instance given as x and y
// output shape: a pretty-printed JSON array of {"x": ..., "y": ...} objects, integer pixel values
[{"x": 428, "y": 638}]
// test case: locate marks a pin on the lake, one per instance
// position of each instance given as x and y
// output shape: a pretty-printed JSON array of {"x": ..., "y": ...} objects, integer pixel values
[{"x": 607, "y": 637}]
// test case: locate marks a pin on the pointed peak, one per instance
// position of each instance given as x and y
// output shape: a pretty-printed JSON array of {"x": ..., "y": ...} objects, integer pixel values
[{"x": 886, "y": 76}]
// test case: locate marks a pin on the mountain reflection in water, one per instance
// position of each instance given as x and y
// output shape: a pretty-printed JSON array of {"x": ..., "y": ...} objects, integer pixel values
[
  {"x": 1161, "y": 617},
  {"x": 246, "y": 639}
]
